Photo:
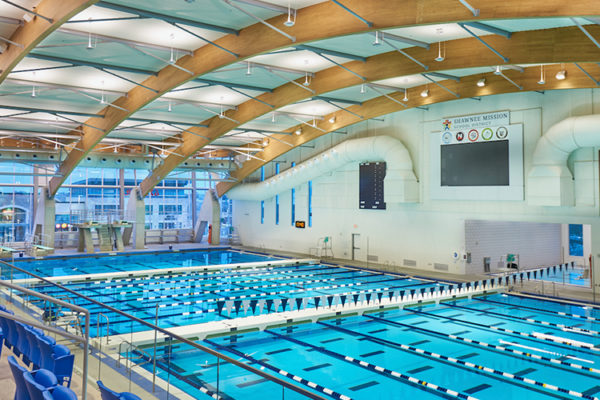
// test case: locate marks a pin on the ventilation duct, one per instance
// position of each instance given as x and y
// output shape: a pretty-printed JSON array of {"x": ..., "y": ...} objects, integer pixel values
[
  {"x": 550, "y": 182},
  {"x": 401, "y": 185}
]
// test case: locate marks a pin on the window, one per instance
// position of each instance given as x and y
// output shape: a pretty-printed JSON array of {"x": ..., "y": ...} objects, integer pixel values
[
  {"x": 576, "y": 240},
  {"x": 293, "y": 201},
  {"x": 262, "y": 203},
  {"x": 310, "y": 203},
  {"x": 276, "y": 198}
]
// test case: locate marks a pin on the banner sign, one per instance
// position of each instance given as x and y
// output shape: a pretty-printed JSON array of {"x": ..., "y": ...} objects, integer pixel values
[{"x": 477, "y": 121}]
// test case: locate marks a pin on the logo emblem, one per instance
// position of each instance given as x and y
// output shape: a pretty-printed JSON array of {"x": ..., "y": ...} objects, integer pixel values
[
  {"x": 447, "y": 125},
  {"x": 487, "y": 134},
  {"x": 460, "y": 136},
  {"x": 473, "y": 135},
  {"x": 501, "y": 133},
  {"x": 446, "y": 137}
]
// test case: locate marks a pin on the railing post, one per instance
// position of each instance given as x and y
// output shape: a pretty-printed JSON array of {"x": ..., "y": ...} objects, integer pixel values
[{"x": 154, "y": 356}]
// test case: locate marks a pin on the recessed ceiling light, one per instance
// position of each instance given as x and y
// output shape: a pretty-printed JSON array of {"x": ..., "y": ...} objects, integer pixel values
[
  {"x": 561, "y": 75},
  {"x": 425, "y": 93},
  {"x": 481, "y": 82}
]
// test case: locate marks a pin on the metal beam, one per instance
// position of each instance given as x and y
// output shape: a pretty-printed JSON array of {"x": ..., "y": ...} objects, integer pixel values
[
  {"x": 405, "y": 54},
  {"x": 442, "y": 75},
  {"x": 336, "y": 100},
  {"x": 316, "y": 51},
  {"x": 11, "y": 21},
  {"x": 28, "y": 10},
  {"x": 124, "y": 41},
  {"x": 588, "y": 74},
  {"x": 233, "y": 85},
  {"x": 384, "y": 87},
  {"x": 166, "y": 18},
  {"x": 265, "y": 5},
  {"x": 368, "y": 23},
  {"x": 589, "y": 35},
  {"x": 331, "y": 52},
  {"x": 488, "y": 28},
  {"x": 23, "y": 82},
  {"x": 470, "y": 32},
  {"x": 440, "y": 85},
  {"x": 262, "y": 21},
  {"x": 92, "y": 64},
  {"x": 51, "y": 111},
  {"x": 474, "y": 10},
  {"x": 159, "y": 121},
  {"x": 280, "y": 69},
  {"x": 405, "y": 40}
]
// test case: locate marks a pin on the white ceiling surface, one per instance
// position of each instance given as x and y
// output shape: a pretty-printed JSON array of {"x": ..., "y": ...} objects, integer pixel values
[{"x": 184, "y": 104}]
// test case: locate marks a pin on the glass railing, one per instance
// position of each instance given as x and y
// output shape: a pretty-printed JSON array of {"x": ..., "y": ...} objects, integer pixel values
[{"x": 154, "y": 360}]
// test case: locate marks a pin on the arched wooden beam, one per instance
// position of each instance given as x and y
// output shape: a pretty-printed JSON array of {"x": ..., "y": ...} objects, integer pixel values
[
  {"x": 528, "y": 47},
  {"x": 320, "y": 21},
  {"x": 30, "y": 34},
  {"x": 379, "y": 106}
]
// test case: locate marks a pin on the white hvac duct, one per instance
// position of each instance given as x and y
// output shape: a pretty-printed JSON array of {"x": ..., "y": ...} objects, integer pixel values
[
  {"x": 401, "y": 185},
  {"x": 550, "y": 182}
]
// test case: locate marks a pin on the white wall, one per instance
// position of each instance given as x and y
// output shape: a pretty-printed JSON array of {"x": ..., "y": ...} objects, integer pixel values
[{"x": 430, "y": 231}]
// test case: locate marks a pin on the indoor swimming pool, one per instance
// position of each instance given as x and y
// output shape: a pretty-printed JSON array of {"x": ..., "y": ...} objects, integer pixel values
[
  {"x": 576, "y": 276},
  {"x": 491, "y": 347},
  {"x": 197, "y": 297},
  {"x": 81, "y": 265}
]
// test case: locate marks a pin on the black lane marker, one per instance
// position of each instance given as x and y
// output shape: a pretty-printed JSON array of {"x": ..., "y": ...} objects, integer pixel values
[
  {"x": 477, "y": 388},
  {"x": 317, "y": 367},
  {"x": 364, "y": 386},
  {"x": 251, "y": 383},
  {"x": 269, "y": 353},
  {"x": 331, "y": 340},
  {"x": 418, "y": 343},
  {"x": 373, "y": 353},
  {"x": 525, "y": 372},
  {"x": 417, "y": 370},
  {"x": 379, "y": 330},
  {"x": 467, "y": 356},
  {"x": 592, "y": 391}
]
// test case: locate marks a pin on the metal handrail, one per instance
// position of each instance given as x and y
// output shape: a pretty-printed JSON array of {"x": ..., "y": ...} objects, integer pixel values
[
  {"x": 198, "y": 346},
  {"x": 85, "y": 311}
]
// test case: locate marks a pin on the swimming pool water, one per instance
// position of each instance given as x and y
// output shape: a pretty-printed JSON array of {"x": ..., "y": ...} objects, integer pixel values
[
  {"x": 64, "y": 266},
  {"x": 193, "y": 298},
  {"x": 575, "y": 276},
  {"x": 483, "y": 340}
]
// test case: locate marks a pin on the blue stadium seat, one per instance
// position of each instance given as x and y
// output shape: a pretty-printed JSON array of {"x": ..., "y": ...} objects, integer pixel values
[
  {"x": 62, "y": 393},
  {"x": 63, "y": 364},
  {"x": 17, "y": 370},
  {"x": 35, "y": 390},
  {"x": 22, "y": 343},
  {"x": 34, "y": 352},
  {"x": 106, "y": 393},
  {"x": 128, "y": 396}
]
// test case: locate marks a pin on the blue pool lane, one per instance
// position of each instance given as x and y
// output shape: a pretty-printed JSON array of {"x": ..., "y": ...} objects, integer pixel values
[{"x": 464, "y": 346}]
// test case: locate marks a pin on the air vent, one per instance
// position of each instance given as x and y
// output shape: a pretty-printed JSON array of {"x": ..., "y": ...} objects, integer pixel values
[
  {"x": 409, "y": 263},
  {"x": 440, "y": 267}
]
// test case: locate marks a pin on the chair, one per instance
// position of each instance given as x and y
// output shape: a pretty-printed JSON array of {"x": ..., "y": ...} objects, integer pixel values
[
  {"x": 62, "y": 393},
  {"x": 34, "y": 354},
  {"x": 17, "y": 370},
  {"x": 129, "y": 396},
  {"x": 35, "y": 389},
  {"x": 106, "y": 393},
  {"x": 22, "y": 342},
  {"x": 63, "y": 364}
]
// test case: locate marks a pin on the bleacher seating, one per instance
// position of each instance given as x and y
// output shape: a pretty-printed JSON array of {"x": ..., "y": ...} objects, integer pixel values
[
  {"x": 38, "y": 351},
  {"x": 109, "y": 394}
]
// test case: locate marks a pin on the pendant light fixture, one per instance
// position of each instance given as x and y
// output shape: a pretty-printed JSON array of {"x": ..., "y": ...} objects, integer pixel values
[
  {"x": 542, "y": 76},
  {"x": 290, "y": 22}
]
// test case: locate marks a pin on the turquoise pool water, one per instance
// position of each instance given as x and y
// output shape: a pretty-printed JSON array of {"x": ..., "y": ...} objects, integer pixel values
[
  {"x": 576, "y": 276},
  {"x": 486, "y": 348},
  {"x": 199, "y": 297},
  {"x": 64, "y": 266}
]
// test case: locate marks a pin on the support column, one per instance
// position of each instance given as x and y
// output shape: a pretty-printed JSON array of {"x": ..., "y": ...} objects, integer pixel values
[
  {"x": 45, "y": 219},
  {"x": 135, "y": 212}
]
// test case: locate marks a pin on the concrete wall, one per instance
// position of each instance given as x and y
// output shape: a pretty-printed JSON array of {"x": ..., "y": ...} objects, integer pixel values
[
  {"x": 425, "y": 234},
  {"x": 535, "y": 243}
]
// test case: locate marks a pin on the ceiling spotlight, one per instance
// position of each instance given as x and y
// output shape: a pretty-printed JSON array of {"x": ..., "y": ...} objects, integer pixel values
[
  {"x": 498, "y": 71},
  {"x": 290, "y": 22},
  {"x": 377, "y": 42},
  {"x": 561, "y": 75},
  {"x": 332, "y": 120},
  {"x": 363, "y": 89},
  {"x": 306, "y": 80},
  {"x": 542, "y": 76},
  {"x": 298, "y": 131},
  {"x": 405, "y": 95},
  {"x": 440, "y": 57},
  {"x": 265, "y": 142},
  {"x": 481, "y": 82},
  {"x": 425, "y": 93}
]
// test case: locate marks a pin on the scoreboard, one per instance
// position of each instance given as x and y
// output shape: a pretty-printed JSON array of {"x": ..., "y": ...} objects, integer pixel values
[{"x": 371, "y": 179}]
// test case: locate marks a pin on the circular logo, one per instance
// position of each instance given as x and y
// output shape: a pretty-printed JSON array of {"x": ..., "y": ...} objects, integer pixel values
[
  {"x": 460, "y": 136},
  {"x": 473, "y": 135},
  {"x": 501, "y": 133},
  {"x": 446, "y": 137},
  {"x": 487, "y": 134}
]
